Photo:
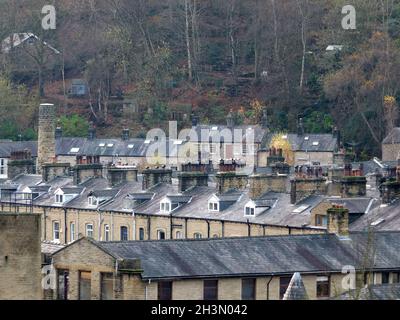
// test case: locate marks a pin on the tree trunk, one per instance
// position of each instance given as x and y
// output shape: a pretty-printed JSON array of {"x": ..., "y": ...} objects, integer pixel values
[{"x": 187, "y": 36}]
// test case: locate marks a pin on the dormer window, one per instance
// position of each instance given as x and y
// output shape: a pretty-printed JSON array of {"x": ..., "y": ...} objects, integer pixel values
[
  {"x": 249, "y": 211},
  {"x": 165, "y": 206},
  {"x": 92, "y": 201},
  {"x": 59, "y": 198},
  {"x": 213, "y": 206}
]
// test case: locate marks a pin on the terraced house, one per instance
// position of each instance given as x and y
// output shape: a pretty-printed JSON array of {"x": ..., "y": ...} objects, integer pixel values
[{"x": 235, "y": 268}]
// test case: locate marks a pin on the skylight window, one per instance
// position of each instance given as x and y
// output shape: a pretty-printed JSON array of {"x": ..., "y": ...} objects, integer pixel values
[
  {"x": 74, "y": 150},
  {"x": 110, "y": 145},
  {"x": 130, "y": 146},
  {"x": 214, "y": 128},
  {"x": 147, "y": 141},
  {"x": 178, "y": 142},
  {"x": 300, "y": 209},
  {"x": 306, "y": 138},
  {"x": 376, "y": 222},
  {"x": 102, "y": 144},
  {"x": 315, "y": 143}
]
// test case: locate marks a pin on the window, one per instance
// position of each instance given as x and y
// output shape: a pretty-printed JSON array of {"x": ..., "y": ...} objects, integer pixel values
[
  {"x": 283, "y": 285},
  {"x": 72, "y": 231},
  {"x": 213, "y": 206},
  {"x": 165, "y": 290},
  {"x": 59, "y": 198},
  {"x": 106, "y": 287},
  {"x": 244, "y": 148},
  {"x": 178, "y": 235},
  {"x": 124, "y": 233},
  {"x": 141, "y": 233},
  {"x": 165, "y": 207},
  {"x": 85, "y": 279},
  {"x": 396, "y": 277},
  {"x": 210, "y": 290},
  {"x": 249, "y": 211},
  {"x": 197, "y": 235},
  {"x": 248, "y": 289},
  {"x": 92, "y": 201},
  {"x": 106, "y": 232},
  {"x": 320, "y": 220},
  {"x": 56, "y": 231},
  {"x": 212, "y": 148},
  {"x": 160, "y": 235},
  {"x": 89, "y": 230},
  {"x": 385, "y": 277},
  {"x": 323, "y": 290},
  {"x": 3, "y": 167},
  {"x": 62, "y": 288}
]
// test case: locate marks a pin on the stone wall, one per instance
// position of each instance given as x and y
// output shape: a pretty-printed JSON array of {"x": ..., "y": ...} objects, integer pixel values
[
  {"x": 20, "y": 257},
  {"x": 46, "y": 137}
]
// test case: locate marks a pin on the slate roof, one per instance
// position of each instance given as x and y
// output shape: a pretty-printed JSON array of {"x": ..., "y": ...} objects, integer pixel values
[
  {"x": 71, "y": 190},
  {"x": 256, "y": 256},
  {"x": 326, "y": 142},
  {"x": 212, "y": 129},
  {"x": 8, "y": 146},
  {"x": 374, "y": 292},
  {"x": 106, "y": 193},
  {"x": 383, "y": 217}
]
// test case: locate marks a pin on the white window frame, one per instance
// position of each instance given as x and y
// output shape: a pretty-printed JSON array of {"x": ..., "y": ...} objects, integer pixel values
[
  {"x": 92, "y": 201},
  {"x": 178, "y": 235},
  {"x": 3, "y": 168},
  {"x": 165, "y": 206},
  {"x": 89, "y": 230},
  {"x": 106, "y": 232},
  {"x": 72, "y": 231},
  {"x": 59, "y": 198},
  {"x": 213, "y": 206},
  {"x": 56, "y": 231},
  {"x": 252, "y": 210}
]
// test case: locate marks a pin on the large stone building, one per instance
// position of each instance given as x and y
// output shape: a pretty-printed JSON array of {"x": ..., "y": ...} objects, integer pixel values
[{"x": 20, "y": 257}]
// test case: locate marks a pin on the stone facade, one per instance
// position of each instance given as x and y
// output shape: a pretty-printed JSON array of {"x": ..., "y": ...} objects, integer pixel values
[
  {"x": 53, "y": 170},
  {"x": 231, "y": 180},
  {"x": 46, "y": 137},
  {"x": 390, "y": 152},
  {"x": 87, "y": 257},
  {"x": 20, "y": 257},
  {"x": 260, "y": 184},
  {"x": 302, "y": 187}
]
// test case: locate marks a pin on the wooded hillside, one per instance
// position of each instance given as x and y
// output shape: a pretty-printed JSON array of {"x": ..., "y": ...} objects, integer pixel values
[{"x": 169, "y": 59}]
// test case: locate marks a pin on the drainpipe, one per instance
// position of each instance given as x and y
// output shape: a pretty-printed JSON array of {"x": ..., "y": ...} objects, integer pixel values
[
  {"x": 134, "y": 225},
  {"x": 208, "y": 228},
  {"x": 268, "y": 286},
  {"x": 65, "y": 226},
  {"x": 248, "y": 228},
  {"x": 186, "y": 227},
  {"x": 170, "y": 226},
  {"x": 146, "y": 291},
  {"x": 148, "y": 228},
  {"x": 99, "y": 224},
  {"x": 44, "y": 224}
]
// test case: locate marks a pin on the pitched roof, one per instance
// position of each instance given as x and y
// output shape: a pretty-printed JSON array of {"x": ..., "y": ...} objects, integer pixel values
[
  {"x": 374, "y": 292},
  {"x": 253, "y": 256},
  {"x": 309, "y": 142}
]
